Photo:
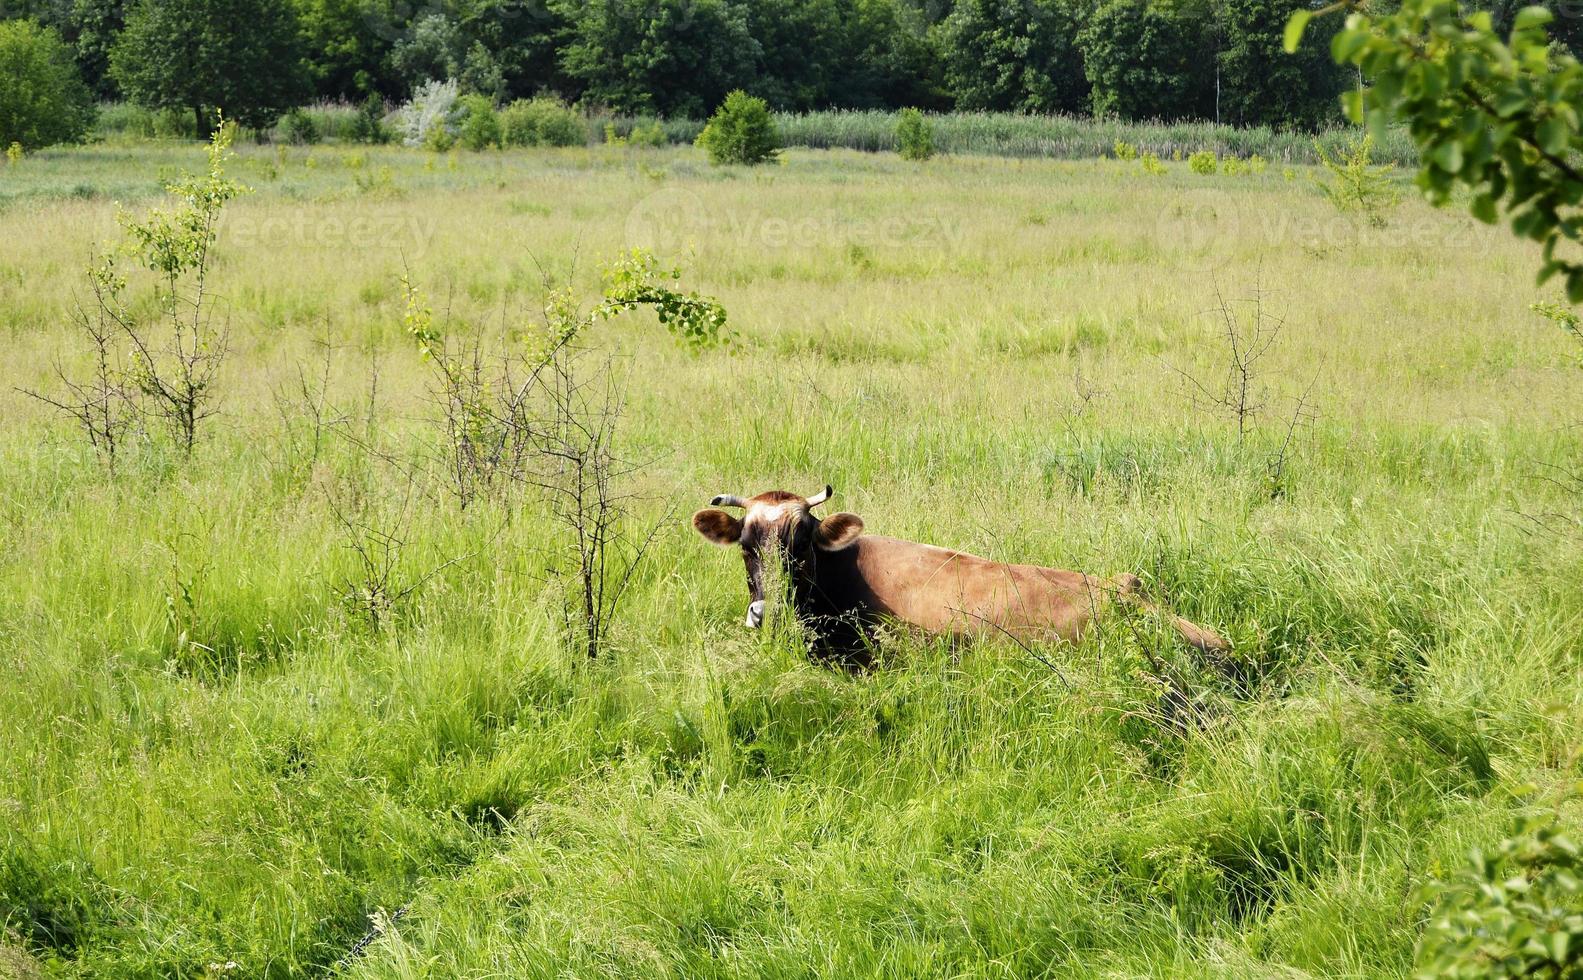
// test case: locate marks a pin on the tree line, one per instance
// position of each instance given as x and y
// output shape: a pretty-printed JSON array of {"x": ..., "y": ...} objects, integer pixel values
[{"x": 1218, "y": 60}]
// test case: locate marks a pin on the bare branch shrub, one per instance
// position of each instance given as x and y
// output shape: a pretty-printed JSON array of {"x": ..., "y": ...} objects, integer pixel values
[
  {"x": 1249, "y": 329},
  {"x": 541, "y": 414},
  {"x": 1277, "y": 462},
  {"x": 578, "y": 404},
  {"x": 379, "y": 539},
  {"x": 104, "y": 404},
  {"x": 170, "y": 378},
  {"x": 305, "y": 411}
]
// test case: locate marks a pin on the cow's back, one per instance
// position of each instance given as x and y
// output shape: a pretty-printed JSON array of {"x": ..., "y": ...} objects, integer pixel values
[{"x": 943, "y": 590}]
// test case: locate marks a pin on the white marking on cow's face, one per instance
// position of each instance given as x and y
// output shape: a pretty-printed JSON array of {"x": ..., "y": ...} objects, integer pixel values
[
  {"x": 755, "y": 614},
  {"x": 767, "y": 512}
]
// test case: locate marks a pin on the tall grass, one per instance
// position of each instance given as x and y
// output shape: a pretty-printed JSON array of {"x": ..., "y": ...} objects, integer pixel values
[
  {"x": 208, "y": 757},
  {"x": 1059, "y": 137},
  {"x": 874, "y": 131}
]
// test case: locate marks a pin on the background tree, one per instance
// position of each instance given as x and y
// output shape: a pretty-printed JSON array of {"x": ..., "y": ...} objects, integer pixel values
[
  {"x": 242, "y": 56},
  {"x": 854, "y": 54},
  {"x": 96, "y": 24},
  {"x": 1150, "y": 59},
  {"x": 1014, "y": 55},
  {"x": 42, "y": 99},
  {"x": 432, "y": 48},
  {"x": 675, "y": 57},
  {"x": 1261, "y": 85},
  {"x": 347, "y": 45}
]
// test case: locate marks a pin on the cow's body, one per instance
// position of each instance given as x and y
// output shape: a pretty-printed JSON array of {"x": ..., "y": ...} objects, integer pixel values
[{"x": 844, "y": 581}]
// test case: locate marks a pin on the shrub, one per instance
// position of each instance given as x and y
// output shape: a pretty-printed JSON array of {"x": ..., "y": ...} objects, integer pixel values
[
  {"x": 914, "y": 136},
  {"x": 1203, "y": 162},
  {"x": 1257, "y": 163},
  {"x": 648, "y": 134},
  {"x": 1125, "y": 150},
  {"x": 480, "y": 127},
  {"x": 432, "y": 107},
  {"x": 13, "y": 154},
  {"x": 439, "y": 140},
  {"x": 173, "y": 124},
  {"x": 42, "y": 98},
  {"x": 542, "y": 121},
  {"x": 1356, "y": 185},
  {"x": 741, "y": 131},
  {"x": 1516, "y": 911},
  {"x": 1152, "y": 165},
  {"x": 298, "y": 128},
  {"x": 369, "y": 125},
  {"x": 1233, "y": 166}
]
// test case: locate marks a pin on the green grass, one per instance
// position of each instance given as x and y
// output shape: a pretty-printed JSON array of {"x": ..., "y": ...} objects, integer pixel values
[
  {"x": 874, "y": 131},
  {"x": 702, "y": 802}
]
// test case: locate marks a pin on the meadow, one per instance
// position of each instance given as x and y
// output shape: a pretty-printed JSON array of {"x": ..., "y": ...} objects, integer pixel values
[{"x": 213, "y": 764}]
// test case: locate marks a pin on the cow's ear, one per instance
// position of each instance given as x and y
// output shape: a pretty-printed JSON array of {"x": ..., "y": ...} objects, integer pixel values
[
  {"x": 838, "y": 531},
  {"x": 718, "y": 526}
]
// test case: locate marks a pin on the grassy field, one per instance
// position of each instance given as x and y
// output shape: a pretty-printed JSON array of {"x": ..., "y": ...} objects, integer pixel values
[{"x": 210, "y": 765}]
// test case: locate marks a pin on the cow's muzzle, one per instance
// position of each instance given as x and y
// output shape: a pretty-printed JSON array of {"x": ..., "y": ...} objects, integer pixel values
[{"x": 755, "y": 614}]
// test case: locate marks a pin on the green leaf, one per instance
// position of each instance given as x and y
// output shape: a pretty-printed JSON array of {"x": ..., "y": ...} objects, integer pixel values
[
  {"x": 1553, "y": 136},
  {"x": 1531, "y": 17},
  {"x": 1295, "y": 26},
  {"x": 1448, "y": 156},
  {"x": 1346, "y": 44},
  {"x": 1484, "y": 208},
  {"x": 1575, "y": 287}
]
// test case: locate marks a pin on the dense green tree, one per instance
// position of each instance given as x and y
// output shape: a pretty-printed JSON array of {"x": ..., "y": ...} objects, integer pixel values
[
  {"x": 1259, "y": 84},
  {"x": 96, "y": 24},
  {"x": 842, "y": 53},
  {"x": 46, "y": 13},
  {"x": 347, "y": 45},
  {"x": 522, "y": 38},
  {"x": 432, "y": 47},
  {"x": 1017, "y": 55},
  {"x": 675, "y": 57},
  {"x": 42, "y": 98},
  {"x": 240, "y": 56},
  {"x": 1150, "y": 59}
]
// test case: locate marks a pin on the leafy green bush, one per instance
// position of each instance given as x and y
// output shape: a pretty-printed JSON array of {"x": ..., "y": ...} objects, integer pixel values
[
  {"x": 1124, "y": 150},
  {"x": 480, "y": 126},
  {"x": 741, "y": 131},
  {"x": 1151, "y": 164},
  {"x": 1355, "y": 185},
  {"x": 1514, "y": 912},
  {"x": 542, "y": 121},
  {"x": 298, "y": 128},
  {"x": 914, "y": 136},
  {"x": 1203, "y": 162},
  {"x": 42, "y": 98},
  {"x": 1234, "y": 166},
  {"x": 648, "y": 134},
  {"x": 438, "y": 140},
  {"x": 369, "y": 125}
]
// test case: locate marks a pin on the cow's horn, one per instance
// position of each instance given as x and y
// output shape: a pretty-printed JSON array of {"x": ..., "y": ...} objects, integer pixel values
[
  {"x": 728, "y": 500},
  {"x": 820, "y": 498}
]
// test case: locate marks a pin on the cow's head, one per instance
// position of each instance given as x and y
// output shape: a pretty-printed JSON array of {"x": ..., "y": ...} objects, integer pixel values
[{"x": 781, "y": 524}]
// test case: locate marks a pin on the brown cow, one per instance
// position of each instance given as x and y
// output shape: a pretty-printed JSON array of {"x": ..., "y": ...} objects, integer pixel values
[{"x": 842, "y": 580}]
